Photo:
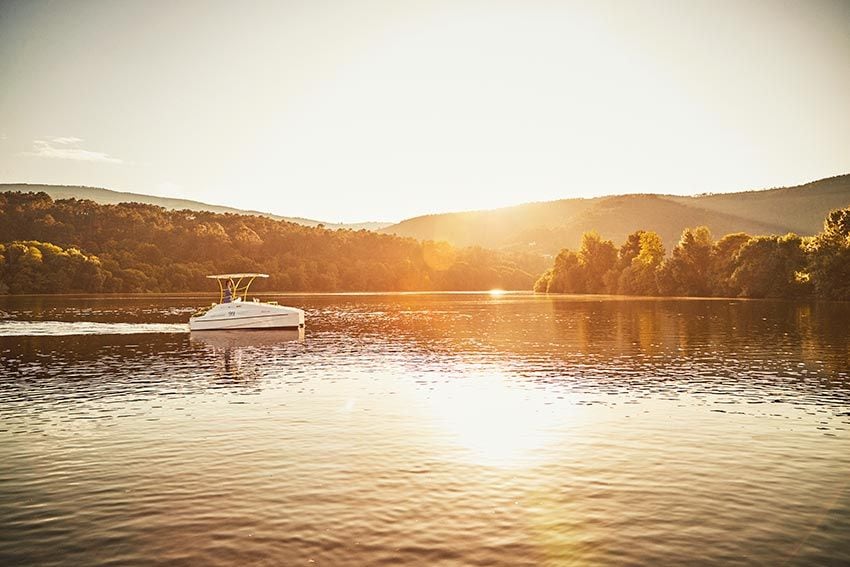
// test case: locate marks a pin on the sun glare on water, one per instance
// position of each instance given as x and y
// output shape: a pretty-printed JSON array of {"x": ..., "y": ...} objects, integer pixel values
[
  {"x": 495, "y": 423},
  {"x": 497, "y": 292}
]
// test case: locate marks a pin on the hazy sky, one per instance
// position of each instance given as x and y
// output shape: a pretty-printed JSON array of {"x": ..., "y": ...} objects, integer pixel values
[{"x": 380, "y": 110}]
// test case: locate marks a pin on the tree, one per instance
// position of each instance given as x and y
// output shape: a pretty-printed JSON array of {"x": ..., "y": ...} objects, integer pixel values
[
  {"x": 541, "y": 284},
  {"x": 597, "y": 259},
  {"x": 724, "y": 261},
  {"x": 629, "y": 250},
  {"x": 829, "y": 257},
  {"x": 146, "y": 248},
  {"x": 685, "y": 273},
  {"x": 736, "y": 265},
  {"x": 40, "y": 267},
  {"x": 640, "y": 277},
  {"x": 772, "y": 266},
  {"x": 568, "y": 275},
  {"x": 4, "y": 287}
]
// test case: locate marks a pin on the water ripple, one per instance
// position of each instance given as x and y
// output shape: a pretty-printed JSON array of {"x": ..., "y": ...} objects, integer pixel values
[{"x": 439, "y": 429}]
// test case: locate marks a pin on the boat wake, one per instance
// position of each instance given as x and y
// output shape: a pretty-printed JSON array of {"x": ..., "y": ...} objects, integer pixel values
[{"x": 64, "y": 328}]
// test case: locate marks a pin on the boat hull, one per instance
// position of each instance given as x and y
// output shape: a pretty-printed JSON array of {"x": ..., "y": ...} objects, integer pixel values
[
  {"x": 246, "y": 338},
  {"x": 247, "y": 315}
]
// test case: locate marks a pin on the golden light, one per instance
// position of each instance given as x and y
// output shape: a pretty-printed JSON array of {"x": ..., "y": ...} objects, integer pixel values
[
  {"x": 497, "y": 292},
  {"x": 495, "y": 423}
]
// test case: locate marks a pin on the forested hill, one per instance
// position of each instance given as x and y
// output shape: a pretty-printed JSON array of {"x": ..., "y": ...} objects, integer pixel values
[
  {"x": 70, "y": 245},
  {"x": 549, "y": 227},
  {"x": 110, "y": 197}
]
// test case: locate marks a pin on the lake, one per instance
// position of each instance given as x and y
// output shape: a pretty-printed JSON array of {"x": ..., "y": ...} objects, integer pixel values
[{"x": 426, "y": 429}]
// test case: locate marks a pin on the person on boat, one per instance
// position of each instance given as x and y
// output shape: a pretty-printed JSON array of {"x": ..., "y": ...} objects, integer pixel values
[{"x": 228, "y": 293}]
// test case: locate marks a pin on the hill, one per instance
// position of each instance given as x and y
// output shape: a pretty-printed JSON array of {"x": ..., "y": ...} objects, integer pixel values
[
  {"x": 550, "y": 226},
  {"x": 110, "y": 197},
  {"x": 800, "y": 209},
  {"x": 72, "y": 245}
]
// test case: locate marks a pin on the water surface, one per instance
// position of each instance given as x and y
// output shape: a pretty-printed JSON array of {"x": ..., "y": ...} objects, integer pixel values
[{"x": 469, "y": 429}]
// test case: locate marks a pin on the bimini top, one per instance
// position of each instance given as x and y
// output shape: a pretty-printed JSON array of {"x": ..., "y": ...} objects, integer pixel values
[
  {"x": 234, "y": 288},
  {"x": 236, "y": 276}
]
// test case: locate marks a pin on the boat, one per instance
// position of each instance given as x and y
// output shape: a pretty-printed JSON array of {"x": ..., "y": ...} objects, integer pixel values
[{"x": 234, "y": 311}]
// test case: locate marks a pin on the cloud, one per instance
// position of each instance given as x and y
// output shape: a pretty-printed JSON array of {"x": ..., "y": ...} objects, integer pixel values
[
  {"x": 58, "y": 148},
  {"x": 67, "y": 140}
]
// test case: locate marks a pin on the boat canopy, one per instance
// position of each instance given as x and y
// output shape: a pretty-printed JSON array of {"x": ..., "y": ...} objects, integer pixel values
[
  {"x": 236, "y": 276},
  {"x": 234, "y": 282}
]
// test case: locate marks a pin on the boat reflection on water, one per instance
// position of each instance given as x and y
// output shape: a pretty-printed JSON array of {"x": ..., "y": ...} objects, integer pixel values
[
  {"x": 238, "y": 348},
  {"x": 246, "y": 338}
]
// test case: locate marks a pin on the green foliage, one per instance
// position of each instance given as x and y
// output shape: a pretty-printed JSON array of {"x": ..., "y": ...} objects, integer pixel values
[
  {"x": 568, "y": 274},
  {"x": 587, "y": 271},
  {"x": 131, "y": 247},
  {"x": 829, "y": 269},
  {"x": 736, "y": 265},
  {"x": 639, "y": 275},
  {"x": 724, "y": 261},
  {"x": 597, "y": 258},
  {"x": 629, "y": 250},
  {"x": 771, "y": 266},
  {"x": 686, "y": 273},
  {"x": 541, "y": 285},
  {"x": 651, "y": 250},
  {"x": 40, "y": 267}
]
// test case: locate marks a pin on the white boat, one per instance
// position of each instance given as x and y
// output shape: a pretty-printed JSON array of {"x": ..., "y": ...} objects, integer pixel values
[{"x": 234, "y": 310}]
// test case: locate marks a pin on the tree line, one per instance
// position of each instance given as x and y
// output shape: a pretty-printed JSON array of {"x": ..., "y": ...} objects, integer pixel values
[
  {"x": 737, "y": 265},
  {"x": 70, "y": 245}
]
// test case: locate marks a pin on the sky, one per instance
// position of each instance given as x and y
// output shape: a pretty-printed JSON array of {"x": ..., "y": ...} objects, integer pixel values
[{"x": 382, "y": 110}]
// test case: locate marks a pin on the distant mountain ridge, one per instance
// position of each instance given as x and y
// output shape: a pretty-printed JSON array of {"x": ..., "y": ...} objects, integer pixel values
[
  {"x": 547, "y": 227},
  {"x": 109, "y": 197}
]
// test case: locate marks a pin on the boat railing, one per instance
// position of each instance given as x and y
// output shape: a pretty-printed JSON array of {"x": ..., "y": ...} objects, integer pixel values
[{"x": 203, "y": 310}]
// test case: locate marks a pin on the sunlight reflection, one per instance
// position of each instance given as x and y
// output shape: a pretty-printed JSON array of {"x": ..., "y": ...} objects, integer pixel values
[
  {"x": 497, "y": 292},
  {"x": 497, "y": 423}
]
